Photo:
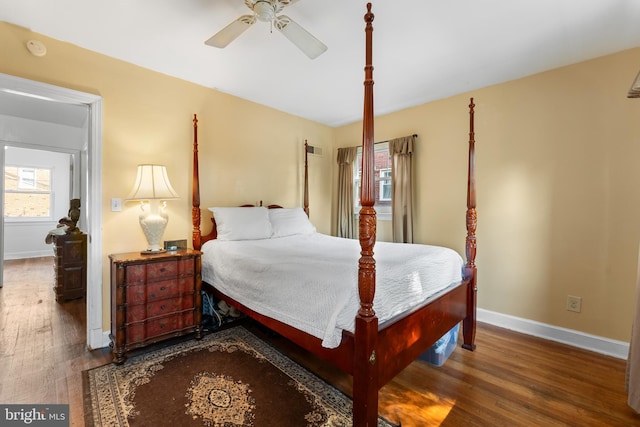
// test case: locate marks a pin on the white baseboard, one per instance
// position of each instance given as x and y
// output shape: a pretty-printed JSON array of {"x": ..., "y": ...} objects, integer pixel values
[
  {"x": 606, "y": 346},
  {"x": 105, "y": 339},
  {"x": 28, "y": 254},
  {"x": 98, "y": 339}
]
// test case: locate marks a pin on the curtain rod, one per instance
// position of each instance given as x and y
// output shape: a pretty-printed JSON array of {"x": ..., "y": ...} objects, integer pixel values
[{"x": 415, "y": 135}]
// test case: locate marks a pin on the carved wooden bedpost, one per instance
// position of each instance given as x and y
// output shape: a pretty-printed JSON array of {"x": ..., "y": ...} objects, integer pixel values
[
  {"x": 365, "y": 376},
  {"x": 469, "y": 324},
  {"x": 306, "y": 178},
  {"x": 195, "y": 192}
]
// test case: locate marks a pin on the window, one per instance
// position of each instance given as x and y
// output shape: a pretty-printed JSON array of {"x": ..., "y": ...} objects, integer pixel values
[
  {"x": 382, "y": 172},
  {"x": 27, "y": 192},
  {"x": 27, "y": 179},
  {"x": 385, "y": 185}
]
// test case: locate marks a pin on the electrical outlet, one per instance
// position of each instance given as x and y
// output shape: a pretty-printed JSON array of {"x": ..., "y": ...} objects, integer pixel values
[{"x": 574, "y": 303}]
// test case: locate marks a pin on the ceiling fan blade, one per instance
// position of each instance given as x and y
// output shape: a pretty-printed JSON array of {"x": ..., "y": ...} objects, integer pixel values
[
  {"x": 231, "y": 32},
  {"x": 307, "y": 43}
]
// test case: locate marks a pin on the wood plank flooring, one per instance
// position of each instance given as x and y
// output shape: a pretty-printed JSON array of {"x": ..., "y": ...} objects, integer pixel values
[
  {"x": 42, "y": 343},
  {"x": 510, "y": 380}
]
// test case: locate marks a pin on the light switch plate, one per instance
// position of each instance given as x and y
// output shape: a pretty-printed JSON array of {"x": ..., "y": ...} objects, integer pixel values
[{"x": 116, "y": 205}]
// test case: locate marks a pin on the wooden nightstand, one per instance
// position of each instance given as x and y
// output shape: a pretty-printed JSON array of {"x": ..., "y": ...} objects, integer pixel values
[{"x": 154, "y": 297}]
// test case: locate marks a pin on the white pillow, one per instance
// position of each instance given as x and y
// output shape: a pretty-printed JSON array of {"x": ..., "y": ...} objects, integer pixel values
[
  {"x": 251, "y": 223},
  {"x": 287, "y": 222}
]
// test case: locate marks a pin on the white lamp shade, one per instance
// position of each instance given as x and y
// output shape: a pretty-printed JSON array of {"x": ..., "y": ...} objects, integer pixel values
[{"x": 152, "y": 182}]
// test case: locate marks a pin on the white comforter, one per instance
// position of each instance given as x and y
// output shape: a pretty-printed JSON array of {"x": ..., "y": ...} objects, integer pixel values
[{"x": 311, "y": 281}]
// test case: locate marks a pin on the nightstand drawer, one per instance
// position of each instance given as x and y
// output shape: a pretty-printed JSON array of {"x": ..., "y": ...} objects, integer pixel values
[
  {"x": 140, "y": 273},
  {"x": 140, "y": 294},
  {"x": 159, "y": 308},
  {"x": 139, "y": 332}
]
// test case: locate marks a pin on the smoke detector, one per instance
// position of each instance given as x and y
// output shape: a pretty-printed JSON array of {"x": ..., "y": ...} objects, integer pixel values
[{"x": 37, "y": 48}]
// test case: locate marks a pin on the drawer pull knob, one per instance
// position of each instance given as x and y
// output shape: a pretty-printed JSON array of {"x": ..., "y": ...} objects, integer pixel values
[
  {"x": 163, "y": 288},
  {"x": 163, "y": 307}
]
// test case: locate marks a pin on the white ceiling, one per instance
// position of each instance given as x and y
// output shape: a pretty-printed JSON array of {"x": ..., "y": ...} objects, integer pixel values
[{"x": 423, "y": 49}]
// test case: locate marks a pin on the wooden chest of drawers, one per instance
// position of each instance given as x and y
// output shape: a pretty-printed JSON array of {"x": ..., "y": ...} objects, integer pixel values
[
  {"x": 70, "y": 266},
  {"x": 154, "y": 297}
]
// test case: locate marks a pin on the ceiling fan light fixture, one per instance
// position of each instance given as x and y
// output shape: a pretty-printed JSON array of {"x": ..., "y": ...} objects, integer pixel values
[
  {"x": 269, "y": 11},
  {"x": 264, "y": 11}
]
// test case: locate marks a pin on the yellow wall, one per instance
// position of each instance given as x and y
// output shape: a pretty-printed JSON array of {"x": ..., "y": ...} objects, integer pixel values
[
  {"x": 558, "y": 196},
  {"x": 247, "y": 152}
]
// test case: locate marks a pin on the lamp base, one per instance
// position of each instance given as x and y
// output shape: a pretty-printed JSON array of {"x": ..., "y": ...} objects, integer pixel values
[{"x": 153, "y": 223}]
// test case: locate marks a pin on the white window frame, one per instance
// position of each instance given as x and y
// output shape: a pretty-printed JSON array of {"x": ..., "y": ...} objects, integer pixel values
[{"x": 383, "y": 212}]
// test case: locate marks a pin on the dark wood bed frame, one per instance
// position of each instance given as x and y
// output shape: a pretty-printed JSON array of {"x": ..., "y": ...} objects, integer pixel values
[{"x": 374, "y": 354}]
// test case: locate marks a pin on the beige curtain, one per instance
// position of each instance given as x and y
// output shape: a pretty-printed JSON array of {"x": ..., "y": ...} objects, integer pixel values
[
  {"x": 346, "y": 221},
  {"x": 401, "y": 150},
  {"x": 633, "y": 363}
]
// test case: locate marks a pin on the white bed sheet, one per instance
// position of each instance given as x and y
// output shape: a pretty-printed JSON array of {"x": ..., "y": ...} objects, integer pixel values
[{"x": 311, "y": 281}]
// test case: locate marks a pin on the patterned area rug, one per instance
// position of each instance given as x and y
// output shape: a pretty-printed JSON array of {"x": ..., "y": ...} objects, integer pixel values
[{"x": 228, "y": 379}]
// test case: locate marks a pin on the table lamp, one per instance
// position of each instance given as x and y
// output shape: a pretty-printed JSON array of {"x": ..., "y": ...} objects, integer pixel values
[{"x": 152, "y": 186}]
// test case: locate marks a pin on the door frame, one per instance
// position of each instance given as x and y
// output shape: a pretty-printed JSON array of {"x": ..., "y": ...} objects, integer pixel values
[{"x": 91, "y": 174}]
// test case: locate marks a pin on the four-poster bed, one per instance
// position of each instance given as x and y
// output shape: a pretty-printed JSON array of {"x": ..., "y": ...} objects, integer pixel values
[{"x": 374, "y": 353}]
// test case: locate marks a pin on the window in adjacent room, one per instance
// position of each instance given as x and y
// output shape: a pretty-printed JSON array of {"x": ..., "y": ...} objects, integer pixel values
[
  {"x": 27, "y": 192},
  {"x": 382, "y": 172}
]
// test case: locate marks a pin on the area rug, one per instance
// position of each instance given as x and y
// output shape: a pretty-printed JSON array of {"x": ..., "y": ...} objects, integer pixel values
[{"x": 230, "y": 378}]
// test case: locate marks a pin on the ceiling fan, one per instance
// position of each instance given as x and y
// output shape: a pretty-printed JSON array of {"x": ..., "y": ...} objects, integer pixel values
[{"x": 267, "y": 11}]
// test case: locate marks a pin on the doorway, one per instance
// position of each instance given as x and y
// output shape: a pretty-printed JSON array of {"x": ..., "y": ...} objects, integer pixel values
[{"x": 25, "y": 98}]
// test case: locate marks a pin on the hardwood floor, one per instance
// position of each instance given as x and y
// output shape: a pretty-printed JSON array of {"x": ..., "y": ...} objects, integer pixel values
[
  {"x": 42, "y": 343},
  {"x": 510, "y": 380}
]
